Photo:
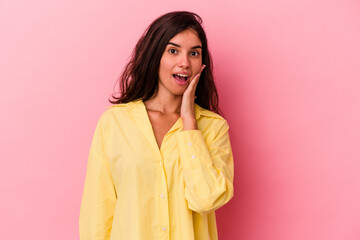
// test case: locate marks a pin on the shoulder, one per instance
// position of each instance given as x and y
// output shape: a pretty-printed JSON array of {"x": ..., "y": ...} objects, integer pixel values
[
  {"x": 208, "y": 118},
  {"x": 205, "y": 113},
  {"x": 116, "y": 111}
]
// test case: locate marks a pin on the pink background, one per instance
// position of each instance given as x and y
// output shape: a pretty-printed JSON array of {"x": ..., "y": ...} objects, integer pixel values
[{"x": 288, "y": 76}]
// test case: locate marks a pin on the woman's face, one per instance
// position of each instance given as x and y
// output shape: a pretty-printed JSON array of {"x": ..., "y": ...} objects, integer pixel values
[{"x": 182, "y": 56}]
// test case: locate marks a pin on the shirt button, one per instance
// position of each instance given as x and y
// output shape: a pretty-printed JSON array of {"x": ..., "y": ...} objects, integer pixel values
[
  {"x": 160, "y": 163},
  {"x": 189, "y": 144},
  {"x": 164, "y": 228},
  {"x": 193, "y": 156},
  {"x": 162, "y": 196}
]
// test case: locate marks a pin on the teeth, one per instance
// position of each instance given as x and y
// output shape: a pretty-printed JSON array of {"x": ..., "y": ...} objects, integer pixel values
[{"x": 182, "y": 75}]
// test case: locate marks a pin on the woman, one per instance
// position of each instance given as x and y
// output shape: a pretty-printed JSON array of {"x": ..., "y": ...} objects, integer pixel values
[{"x": 160, "y": 161}]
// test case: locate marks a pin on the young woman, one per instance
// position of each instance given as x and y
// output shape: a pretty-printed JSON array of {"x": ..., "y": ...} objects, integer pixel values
[{"x": 160, "y": 162}]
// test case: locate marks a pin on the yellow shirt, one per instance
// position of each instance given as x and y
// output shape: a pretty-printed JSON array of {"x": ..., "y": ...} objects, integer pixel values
[{"x": 135, "y": 191}]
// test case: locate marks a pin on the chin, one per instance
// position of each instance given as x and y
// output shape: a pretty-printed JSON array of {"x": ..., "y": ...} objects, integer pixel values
[{"x": 178, "y": 94}]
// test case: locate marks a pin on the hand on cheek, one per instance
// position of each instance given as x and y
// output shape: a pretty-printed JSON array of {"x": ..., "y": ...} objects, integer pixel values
[{"x": 188, "y": 100}]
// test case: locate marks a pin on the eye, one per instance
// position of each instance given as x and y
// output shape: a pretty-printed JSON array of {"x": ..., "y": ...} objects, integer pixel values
[
  {"x": 195, "y": 54},
  {"x": 172, "y": 50}
]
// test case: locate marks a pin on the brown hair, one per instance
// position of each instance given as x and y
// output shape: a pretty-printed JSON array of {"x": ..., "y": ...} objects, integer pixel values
[{"x": 140, "y": 76}]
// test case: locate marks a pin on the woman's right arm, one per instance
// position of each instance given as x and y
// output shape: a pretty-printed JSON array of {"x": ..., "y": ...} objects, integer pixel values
[{"x": 99, "y": 196}]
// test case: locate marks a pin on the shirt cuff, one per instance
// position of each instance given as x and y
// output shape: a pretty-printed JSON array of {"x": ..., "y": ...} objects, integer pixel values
[{"x": 192, "y": 148}]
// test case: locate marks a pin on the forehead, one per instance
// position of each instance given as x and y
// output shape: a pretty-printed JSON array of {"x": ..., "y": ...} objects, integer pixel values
[{"x": 186, "y": 38}]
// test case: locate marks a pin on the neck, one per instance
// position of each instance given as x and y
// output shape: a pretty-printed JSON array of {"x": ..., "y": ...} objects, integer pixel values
[{"x": 166, "y": 104}]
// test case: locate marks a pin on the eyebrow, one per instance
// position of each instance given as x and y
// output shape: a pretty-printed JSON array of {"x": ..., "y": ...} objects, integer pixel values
[{"x": 177, "y": 45}]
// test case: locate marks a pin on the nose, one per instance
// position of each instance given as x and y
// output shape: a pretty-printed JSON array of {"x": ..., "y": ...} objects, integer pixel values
[{"x": 184, "y": 61}]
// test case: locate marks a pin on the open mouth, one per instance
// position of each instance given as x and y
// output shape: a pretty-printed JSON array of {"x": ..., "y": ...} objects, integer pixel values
[{"x": 182, "y": 78}]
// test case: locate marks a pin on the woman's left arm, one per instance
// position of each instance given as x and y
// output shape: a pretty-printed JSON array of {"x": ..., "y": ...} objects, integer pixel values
[{"x": 207, "y": 167}]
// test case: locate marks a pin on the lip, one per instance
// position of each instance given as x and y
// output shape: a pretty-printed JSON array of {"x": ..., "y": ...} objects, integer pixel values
[
  {"x": 186, "y": 73},
  {"x": 181, "y": 82}
]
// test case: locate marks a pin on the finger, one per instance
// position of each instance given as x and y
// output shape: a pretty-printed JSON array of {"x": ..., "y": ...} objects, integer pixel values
[
  {"x": 198, "y": 76},
  {"x": 201, "y": 69},
  {"x": 194, "y": 81}
]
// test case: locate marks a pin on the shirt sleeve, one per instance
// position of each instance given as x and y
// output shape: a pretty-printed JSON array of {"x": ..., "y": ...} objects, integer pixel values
[
  {"x": 99, "y": 196},
  {"x": 207, "y": 168}
]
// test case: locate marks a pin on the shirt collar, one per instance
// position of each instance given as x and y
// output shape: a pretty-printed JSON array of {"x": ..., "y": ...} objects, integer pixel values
[{"x": 138, "y": 103}]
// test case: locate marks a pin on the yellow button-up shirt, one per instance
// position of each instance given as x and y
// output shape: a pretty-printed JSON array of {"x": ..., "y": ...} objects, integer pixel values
[{"x": 135, "y": 191}]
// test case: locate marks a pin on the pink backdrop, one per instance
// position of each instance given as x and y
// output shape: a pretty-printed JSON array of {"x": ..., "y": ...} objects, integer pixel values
[{"x": 288, "y": 76}]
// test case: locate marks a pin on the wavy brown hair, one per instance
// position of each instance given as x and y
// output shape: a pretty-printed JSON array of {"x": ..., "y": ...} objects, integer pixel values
[{"x": 139, "y": 79}]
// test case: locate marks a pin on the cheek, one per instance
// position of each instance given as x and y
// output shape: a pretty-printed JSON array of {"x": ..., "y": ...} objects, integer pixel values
[
  {"x": 164, "y": 71},
  {"x": 161, "y": 68},
  {"x": 164, "y": 66},
  {"x": 197, "y": 65}
]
